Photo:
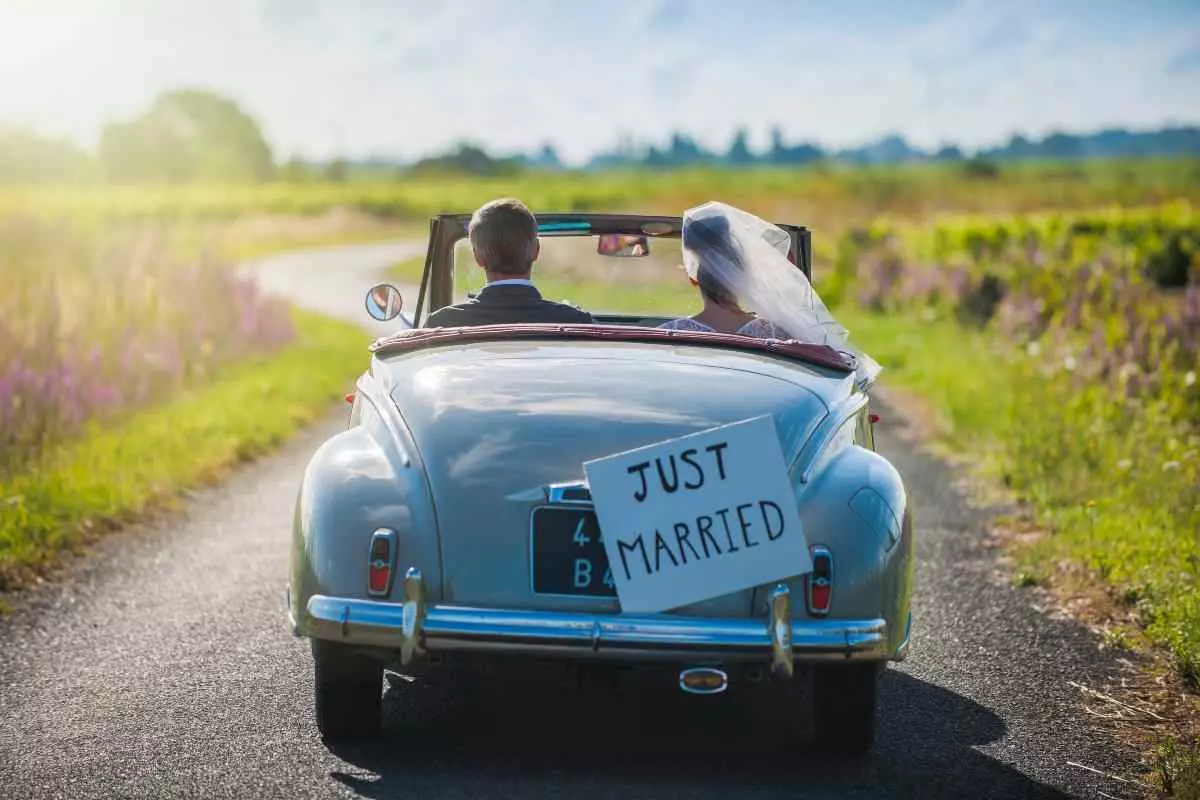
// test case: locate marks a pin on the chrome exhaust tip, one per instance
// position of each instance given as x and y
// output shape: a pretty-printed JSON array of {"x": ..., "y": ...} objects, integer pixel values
[{"x": 703, "y": 680}]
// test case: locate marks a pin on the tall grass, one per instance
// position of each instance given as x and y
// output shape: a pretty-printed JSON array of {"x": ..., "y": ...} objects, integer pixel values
[
  {"x": 93, "y": 326},
  {"x": 1098, "y": 322}
]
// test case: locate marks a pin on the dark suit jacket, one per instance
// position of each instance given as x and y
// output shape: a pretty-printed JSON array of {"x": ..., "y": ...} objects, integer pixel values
[{"x": 506, "y": 304}]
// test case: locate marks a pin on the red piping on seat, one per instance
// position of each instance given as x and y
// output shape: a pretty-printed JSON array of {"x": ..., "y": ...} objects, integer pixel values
[{"x": 418, "y": 338}]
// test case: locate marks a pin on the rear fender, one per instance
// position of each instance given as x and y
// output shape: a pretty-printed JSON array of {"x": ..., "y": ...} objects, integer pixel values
[
  {"x": 856, "y": 506},
  {"x": 364, "y": 478}
]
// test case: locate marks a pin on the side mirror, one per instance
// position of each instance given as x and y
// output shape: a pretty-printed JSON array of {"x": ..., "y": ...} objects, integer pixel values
[
  {"x": 384, "y": 302},
  {"x": 619, "y": 245}
]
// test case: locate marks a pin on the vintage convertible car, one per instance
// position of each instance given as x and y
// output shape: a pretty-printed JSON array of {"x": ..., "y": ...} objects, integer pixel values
[{"x": 453, "y": 520}]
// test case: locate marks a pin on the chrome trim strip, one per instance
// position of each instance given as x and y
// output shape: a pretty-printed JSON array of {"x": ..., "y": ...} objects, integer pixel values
[
  {"x": 556, "y": 493},
  {"x": 414, "y": 629}
]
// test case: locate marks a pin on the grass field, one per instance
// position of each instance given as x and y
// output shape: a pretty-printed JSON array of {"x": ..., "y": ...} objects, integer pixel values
[
  {"x": 134, "y": 363},
  {"x": 826, "y": 199},
  {"x": 109, "y": 473}
]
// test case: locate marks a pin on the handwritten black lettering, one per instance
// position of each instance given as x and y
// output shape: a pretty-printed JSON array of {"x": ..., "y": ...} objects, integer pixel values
[
  {"x": 728, "y": 534},
  {"x": 745, "y": 525},
  {"x": 640, "y": 469},
  {"x": 686, "y": 457},
  {"x": 672, "y": 485},
  {"x": 716, "y": 450},
  {"x": 638, "y": 545},
  {"x": 682, "y": 538},
  {"x": 704, "y": 528},
  {"x": 772, "y": 532},
  {"x": 661, "y": 546}
]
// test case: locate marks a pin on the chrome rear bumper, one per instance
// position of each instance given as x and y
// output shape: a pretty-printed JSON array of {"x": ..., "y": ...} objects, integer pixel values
[{"x": 415, "y": 629}]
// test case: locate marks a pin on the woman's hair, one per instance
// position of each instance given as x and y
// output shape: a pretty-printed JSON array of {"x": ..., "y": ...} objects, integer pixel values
[{"x": 710, "y": 240}]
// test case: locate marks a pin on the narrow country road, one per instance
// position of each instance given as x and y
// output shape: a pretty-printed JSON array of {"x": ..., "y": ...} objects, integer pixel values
[{"x": 161, "y": 666}]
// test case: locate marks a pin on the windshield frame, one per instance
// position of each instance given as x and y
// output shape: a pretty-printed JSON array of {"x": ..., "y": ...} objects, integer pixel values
[{"x": 447, "y": 230}]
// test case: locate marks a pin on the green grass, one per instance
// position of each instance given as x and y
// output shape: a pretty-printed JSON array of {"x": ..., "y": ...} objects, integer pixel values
[
  {"x": 821, "y": 196},
  {"x": 112, "y": 475},
  {"x": 408, "y": 271},
  {"x": 967, "y": 379},
  {"x": 1115, "y": 484}
]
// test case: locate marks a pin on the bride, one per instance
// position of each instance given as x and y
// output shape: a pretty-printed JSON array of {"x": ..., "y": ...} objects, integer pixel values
[{"x": 749, "y": 287}]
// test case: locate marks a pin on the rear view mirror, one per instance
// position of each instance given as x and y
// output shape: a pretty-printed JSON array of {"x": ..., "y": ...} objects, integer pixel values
[
  {"x": 620, "y": 245},
  {"x": 384, "y": 302}
]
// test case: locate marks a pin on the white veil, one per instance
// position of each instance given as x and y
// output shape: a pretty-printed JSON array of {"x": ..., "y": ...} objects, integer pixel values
[{"x": 737, "y": 254}]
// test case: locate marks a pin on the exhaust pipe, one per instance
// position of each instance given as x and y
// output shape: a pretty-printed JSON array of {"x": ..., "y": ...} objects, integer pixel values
[{"x": 703, "y": 680}]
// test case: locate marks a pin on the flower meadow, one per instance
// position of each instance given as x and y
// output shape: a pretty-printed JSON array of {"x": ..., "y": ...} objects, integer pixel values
[
  {"x": 94, "y": 326},
  {"x": 1093, "y": 322}
]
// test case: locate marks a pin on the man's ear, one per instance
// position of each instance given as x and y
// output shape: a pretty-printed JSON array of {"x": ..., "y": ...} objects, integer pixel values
[{"x": 537, "y": 248}]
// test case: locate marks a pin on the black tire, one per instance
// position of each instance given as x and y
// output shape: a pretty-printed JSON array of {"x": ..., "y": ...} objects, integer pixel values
[
  {"x": 348, "y": 690},
  {"x": 844, "y": 707}
]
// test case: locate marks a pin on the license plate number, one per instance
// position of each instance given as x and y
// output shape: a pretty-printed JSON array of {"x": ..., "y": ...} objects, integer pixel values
[{"x": 568, "y": 557}]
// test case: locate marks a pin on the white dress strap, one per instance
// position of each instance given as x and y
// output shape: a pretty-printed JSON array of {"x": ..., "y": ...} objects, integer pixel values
[
  {"x": 757, "y": 328},
  {"x": 684, "y": 324}
]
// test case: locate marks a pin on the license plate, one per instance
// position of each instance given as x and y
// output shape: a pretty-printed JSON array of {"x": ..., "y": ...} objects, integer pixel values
[{"x": 567, "y": 554}]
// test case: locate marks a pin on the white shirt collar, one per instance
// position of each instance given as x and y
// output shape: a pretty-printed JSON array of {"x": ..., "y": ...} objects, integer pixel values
[{"x": 512, "y": 282}]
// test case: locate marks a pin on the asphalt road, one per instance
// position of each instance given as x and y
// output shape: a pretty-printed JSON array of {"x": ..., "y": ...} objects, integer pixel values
[{"x": 162, "y": 667}]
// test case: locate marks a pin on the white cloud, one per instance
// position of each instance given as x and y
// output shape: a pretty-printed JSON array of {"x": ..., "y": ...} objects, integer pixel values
[{"x": 404, "y": 78}]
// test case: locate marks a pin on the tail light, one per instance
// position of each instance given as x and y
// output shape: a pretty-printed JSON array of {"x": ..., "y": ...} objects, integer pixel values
[
  {"x": 820, "y": 581},
  {"x": 380, "y": 561}
]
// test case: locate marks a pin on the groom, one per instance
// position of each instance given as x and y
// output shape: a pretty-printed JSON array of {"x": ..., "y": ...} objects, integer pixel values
[{"x": 505, "y": 242}]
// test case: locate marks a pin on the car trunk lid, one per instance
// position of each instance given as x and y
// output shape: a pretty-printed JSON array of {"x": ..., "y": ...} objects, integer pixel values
[{"x": 503, "y": 435}]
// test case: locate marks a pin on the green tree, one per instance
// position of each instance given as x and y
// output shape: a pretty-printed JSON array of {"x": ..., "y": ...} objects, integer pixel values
[
  {"x": 295, "y": 170},
  {"x": 28, "y": 158},
  {"x": 739, "y": 151},
  {"x": 337, "y": 171},
  {"x": 187, "y": 135}
]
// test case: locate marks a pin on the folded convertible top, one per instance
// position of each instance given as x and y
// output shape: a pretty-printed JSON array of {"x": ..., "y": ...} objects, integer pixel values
[{"x": 418, "y": 338}]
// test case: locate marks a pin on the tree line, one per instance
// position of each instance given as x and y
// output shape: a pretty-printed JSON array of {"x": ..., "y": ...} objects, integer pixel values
[{"x": 192, "y": 135}]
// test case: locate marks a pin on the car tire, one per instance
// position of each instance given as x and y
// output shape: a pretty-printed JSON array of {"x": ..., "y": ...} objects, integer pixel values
[
  {"x": 348, "y": 692},
  {"x": 844, "y": 707}
]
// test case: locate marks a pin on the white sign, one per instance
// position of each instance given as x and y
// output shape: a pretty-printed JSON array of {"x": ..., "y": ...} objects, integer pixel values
[{"x": 698, "y": 517}]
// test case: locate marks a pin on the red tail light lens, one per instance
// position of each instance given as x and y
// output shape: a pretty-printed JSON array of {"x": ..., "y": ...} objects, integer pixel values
[
  {"x": 380, "y": 559},
  {"x": 820, "y": 581}
]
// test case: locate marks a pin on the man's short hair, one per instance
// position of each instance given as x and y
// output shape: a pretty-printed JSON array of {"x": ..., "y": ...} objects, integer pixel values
[{"x": 504, "y": 236}]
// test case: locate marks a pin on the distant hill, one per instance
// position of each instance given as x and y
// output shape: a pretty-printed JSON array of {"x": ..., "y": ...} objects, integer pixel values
[
  {"x": 225, "y": 144},
  {"x": 894, "y": 149},
  {"x": 681, "y": 150}
]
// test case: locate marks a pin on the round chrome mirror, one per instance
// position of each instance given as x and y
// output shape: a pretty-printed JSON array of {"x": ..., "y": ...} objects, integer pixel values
[{"x": 384, "y": 302}]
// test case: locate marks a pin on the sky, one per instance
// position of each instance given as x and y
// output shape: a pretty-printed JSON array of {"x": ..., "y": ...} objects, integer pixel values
[{"x": 403, "y": 79}]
